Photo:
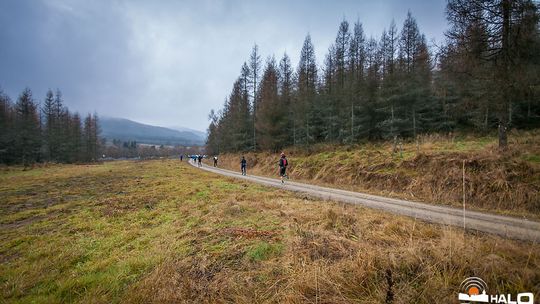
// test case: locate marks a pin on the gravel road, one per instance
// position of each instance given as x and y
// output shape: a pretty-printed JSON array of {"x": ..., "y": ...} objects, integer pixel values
[{"x": 506, "y": 226}]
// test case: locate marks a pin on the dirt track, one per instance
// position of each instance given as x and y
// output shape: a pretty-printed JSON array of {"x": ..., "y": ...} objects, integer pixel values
[{"x": 510, "y": 227}]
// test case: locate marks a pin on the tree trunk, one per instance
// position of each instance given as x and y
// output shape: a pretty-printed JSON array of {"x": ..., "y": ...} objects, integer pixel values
[
  {"x": 528, "y": 108},
  {"x": 510, "y": 113},
  {"x": 294, "y": 132},
  {"x": 503, "y": 138},
  {"x": 506, "y": 6},
  {"x": 486, "y": 118},
  {"x": 414, "y": 123},
  {"x": 352, "y": 122},
  {"x": 392, "y": 121}
]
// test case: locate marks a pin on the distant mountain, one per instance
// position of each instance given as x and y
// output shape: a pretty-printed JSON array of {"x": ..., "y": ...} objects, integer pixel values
[
  {"x": 184, "y": 129},
  {"x": 128, "y": 130}
]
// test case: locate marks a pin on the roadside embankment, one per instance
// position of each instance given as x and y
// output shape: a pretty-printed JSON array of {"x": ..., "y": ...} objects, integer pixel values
[{"x": 430, "y": 170}]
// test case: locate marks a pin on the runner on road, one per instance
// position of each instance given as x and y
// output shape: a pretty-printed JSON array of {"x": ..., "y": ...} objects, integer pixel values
[
  {"x": 215, "y": 160},
  {"x": 200, "y": 160},
  {"x": 243, "y": 163},
  {"x": 283, "y": 163}
]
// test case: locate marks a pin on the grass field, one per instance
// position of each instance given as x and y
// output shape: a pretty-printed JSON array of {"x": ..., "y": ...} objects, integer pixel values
[
  {"x": 163, "y": 231},
  {"x": 430, "y": 170}
]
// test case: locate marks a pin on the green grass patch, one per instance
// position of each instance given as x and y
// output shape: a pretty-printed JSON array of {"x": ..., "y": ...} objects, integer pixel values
[
  {"x": 533, "y": 158},
  {"x": 262, "y": 251}
]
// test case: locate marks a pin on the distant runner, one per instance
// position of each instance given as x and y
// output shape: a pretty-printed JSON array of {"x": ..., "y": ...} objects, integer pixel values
[
  {"x": 243, "y": 163},
  {"x": 283, "y": 163},
  {"x": 200, "y": 160},
  {"x": 181, "y": 157},
  {"x": 215, "y": 161}
]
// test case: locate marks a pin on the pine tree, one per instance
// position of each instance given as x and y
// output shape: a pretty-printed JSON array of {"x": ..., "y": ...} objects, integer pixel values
[
  {"x": 239, "y": 117},
  {"x": 413, "y": 79},
  {"x": 329, "y": 98},
  {"x": 356, "y": 84},
  {"x": 272, "y": 115},
  {"x": 341, "y": 94},
  {"x": 91, "y": 143},
  {"x": 305, "y": 104},
  {"x": 212, "y": 141},
  {"x": 27, "y": 129},
  {"x": 7, "y": 128},
  {"x": 245, "y": 118},
  {"x": 254, "y": 68},
  {"x": 50, "y": 123},
  {"x": 286, "y": 92},
  {"x": 75, "y": 138},
  {"x": 369, "y": 124}
]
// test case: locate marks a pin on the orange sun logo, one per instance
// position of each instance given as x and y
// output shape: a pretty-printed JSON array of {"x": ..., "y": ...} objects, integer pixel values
[{"x": 473, "y": 291}]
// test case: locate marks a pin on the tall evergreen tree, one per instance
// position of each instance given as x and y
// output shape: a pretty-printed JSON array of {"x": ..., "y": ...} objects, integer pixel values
[
  {"x": 341, "y": 92},
  {"x": 390, "y": 83},
  {"x": 305, "y": 107},
  {"x": 414, "y": 78},
  {"x": 7, "y": 129},
  {"x": 91, "y": 143},
  {"x": 286, "y": 92},
  {"x": 75, "y": 138},
  {"x": 356, "y": 84},
  {"x": 49, "y": 127},
  {"x": 271, "y": 116},
  {"x": 27, "y": 129},
  {"x": 254, "y": 68},
  {"x": 369, "y": 125}
]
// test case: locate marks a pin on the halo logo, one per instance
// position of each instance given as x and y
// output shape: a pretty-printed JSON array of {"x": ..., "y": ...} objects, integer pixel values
[{"x": 474, "y": 290}]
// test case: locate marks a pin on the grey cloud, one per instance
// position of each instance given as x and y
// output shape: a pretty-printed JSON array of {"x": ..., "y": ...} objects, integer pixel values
[{"x": 169, "y": 62}]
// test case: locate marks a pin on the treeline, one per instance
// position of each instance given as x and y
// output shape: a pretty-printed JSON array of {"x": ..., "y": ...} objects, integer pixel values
[
  {"x": 32, "y": 133},
  {"x": 131, "y": 149},
  {"x": 486, "y": 76}
]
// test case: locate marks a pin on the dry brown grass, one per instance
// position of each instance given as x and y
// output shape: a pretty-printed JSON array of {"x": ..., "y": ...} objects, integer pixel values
[
  {"x": 335, "y": 253},
  {"x": 504, "y": 182},
  {"x": 164, "y": 232}
]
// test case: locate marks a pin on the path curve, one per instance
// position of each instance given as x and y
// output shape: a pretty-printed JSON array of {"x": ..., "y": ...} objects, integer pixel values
[{"x": 506, "y": 226}]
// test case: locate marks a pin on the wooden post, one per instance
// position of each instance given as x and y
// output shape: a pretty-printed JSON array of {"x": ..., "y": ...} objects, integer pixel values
[
  {"x": 394, "y": 148},
  {"x": 464, "y": 196}
]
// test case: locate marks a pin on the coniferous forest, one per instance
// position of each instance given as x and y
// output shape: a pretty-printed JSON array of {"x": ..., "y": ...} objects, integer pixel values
[
  {"x": 484, "y": 78},
  {"x": 50, "y": 132}
]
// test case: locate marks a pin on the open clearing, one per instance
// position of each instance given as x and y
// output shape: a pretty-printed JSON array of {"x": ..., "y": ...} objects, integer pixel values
[{"x": 162, "y": 231}]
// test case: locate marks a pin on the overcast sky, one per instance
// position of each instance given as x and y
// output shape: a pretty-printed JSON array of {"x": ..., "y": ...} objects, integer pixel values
[{"x": 168, "y": 63}]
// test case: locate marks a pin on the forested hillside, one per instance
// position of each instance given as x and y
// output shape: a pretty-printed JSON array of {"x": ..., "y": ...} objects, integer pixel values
[
  {"x": 30, "y": 133},
  {"x": 128, "y": 130},
  {"x": 484, "y": 78}
]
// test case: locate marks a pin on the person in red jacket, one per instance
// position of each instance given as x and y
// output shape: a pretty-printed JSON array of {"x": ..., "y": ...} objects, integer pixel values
[{"x": 283, "y": 163}]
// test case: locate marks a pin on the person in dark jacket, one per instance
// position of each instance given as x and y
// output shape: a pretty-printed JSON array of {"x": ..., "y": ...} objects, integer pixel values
[
  {"x": 200, "y": 160},
  {"x": 243, "y": 164},
  {"x": 283, "y": 163}
]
